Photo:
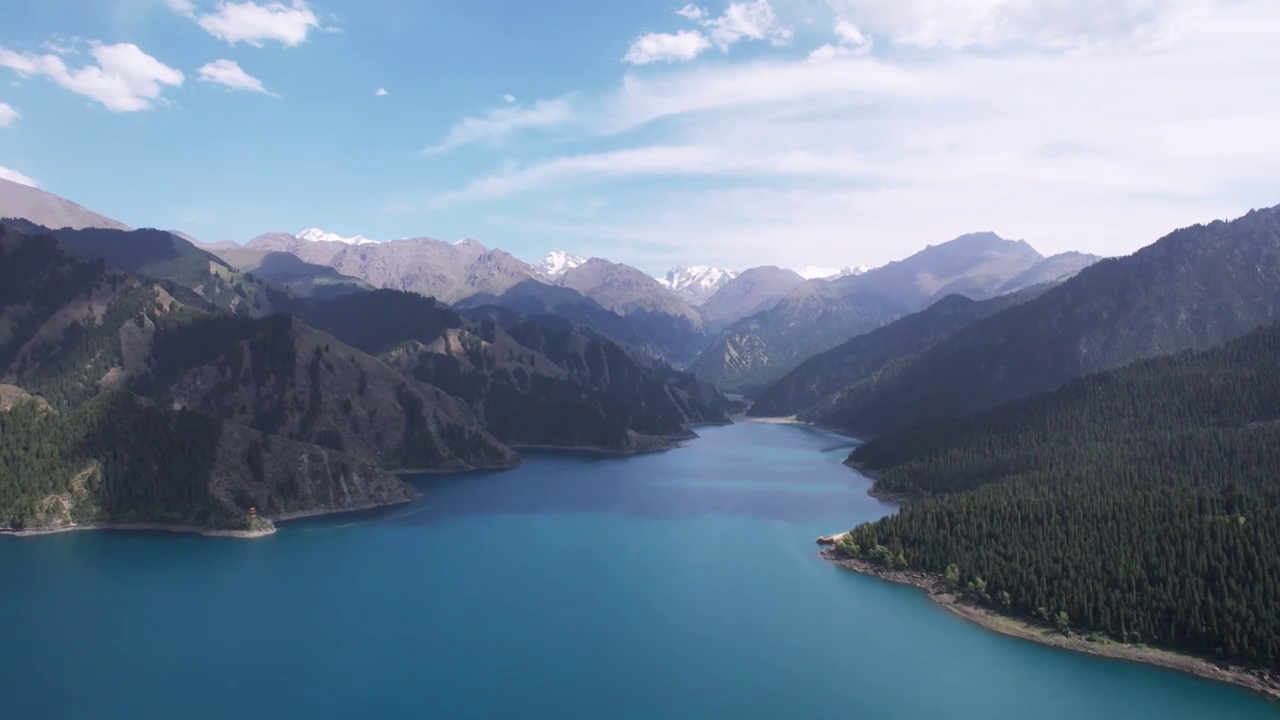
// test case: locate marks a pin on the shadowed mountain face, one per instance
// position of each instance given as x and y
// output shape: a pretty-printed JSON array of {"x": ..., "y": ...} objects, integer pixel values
[
  {"x": 533, "y": 381},
  {"x": 822, "y": 381},
  {"x": 818, "y": 315},
  {"x": 193, "y": 275},
  {"x": 1193, "y": 288},
  {"x": 19, "y": 201},
  {"x": 1052, "y": 269}
]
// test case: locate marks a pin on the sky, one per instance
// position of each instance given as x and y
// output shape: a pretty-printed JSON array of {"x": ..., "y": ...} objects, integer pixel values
[{"x": 787, "y": 132}]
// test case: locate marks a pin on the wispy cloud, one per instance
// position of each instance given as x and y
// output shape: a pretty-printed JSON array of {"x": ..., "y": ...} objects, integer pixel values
[
  {"x": 847, "y": 152},
  {"x": 8, "y": 115},
  {"x": 15, "y": 176},
  {"x": 125, "y": 79},
  {"x": 252, "y": 23},
  {"x": 754, "y": 20},
  {"x": 381, "y": 92},
  {"x": 230, "y": 75},
  {"x": 501, "y": 122},
  {"x": 509, "y": 98}
]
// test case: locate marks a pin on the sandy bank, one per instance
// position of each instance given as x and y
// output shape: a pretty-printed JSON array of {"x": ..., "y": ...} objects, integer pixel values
[{"x": 1259, "y": 681}]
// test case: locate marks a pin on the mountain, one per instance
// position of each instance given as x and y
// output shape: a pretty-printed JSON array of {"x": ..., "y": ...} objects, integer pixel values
[
  {"x": 23, "y": 202},
  {"x": 145, "y": 385},
  {"x": 557, "y": 262},
  {"x": 318, "y": 235},
  {"x": 1052, "y": 269},
  {"x": 696, "y": 284},
  {"x": 1193, "y": 288},
  {"x": 754, "y": 352},
  {"x": 750, "y": 292},
  {"x": 302, "y": 279},
  {"x": 533, "y": 381},
  {"x": 536, "y": 299},
  {"x": 813, "y": 272},
  {"x": 194, "y": 275},
  {"x": 1160, "y": 477},
  {"x": 672, "y": 324},
  {"x": 447, "y": 271},
  {"x": 822, "y": 380}
]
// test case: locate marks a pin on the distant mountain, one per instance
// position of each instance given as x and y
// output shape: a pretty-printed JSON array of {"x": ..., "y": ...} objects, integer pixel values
[
  {"x": 1193, "y": 288},
  {"x": 1052, "y": 269},
  {"x": 446, "y": 271},
  {"x": 696, "y": 284},
  {"x": 532, "y": 381},
  {"x": 822, "y": 380},
  {"x": 23, "y": 202},
  {"x": 750, "y": 292},
  {"x": 302, "y": 279},
  {"x": 318, "y": 235},
  {"x": 674, "y": 325},
  {"x": 813, "y": 272},
  {"x": 820, "y": 314},
  {"x": 535, "y": 299},
  {"x": 557, "y": 262}
]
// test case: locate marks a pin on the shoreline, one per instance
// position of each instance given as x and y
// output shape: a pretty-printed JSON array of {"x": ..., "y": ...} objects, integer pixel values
[
  {"x": 1261, "y": 682},
  {"x": 145, "y": 527}
]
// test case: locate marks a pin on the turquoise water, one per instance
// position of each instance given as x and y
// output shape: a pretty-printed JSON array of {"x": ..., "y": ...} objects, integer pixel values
[{"x": 679, "y": 585}]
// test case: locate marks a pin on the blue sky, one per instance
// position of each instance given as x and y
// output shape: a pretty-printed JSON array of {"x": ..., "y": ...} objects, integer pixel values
[{"x": 790, "y": 132}]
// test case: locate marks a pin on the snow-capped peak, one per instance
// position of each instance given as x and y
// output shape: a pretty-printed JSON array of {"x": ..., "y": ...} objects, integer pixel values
[
  {"x": 697, "y": 283},
  {"x": 318, "y": 235},
  {"x": 811, "y": 272},
  {"x": 557, "y": 262}
]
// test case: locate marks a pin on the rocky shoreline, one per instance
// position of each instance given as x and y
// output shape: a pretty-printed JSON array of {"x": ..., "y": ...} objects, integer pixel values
[{"x": 1260, "y": 681}]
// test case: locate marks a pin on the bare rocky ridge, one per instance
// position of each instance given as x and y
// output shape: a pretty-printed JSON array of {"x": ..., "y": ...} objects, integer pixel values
[{"x": 51, "y": 211}]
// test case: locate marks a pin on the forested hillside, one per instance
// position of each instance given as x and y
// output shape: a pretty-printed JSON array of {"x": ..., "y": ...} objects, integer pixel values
[
  {"x": 1141, "y": 503},
  {"x": 1194, "y": 288}
]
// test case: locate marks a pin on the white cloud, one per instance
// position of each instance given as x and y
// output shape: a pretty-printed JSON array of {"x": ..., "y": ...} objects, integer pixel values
[
  {"x": 850, "y": 41},
  {"x": 8, "y": 115},
  {"x": 230, "y": 75},
  {"x": 252, "y": 23},
  {"x": 381, "y": 92},
  {"x": 666, "y": 47},
  {"x": 501, "y": 122},
  {"x": 509, "y": 98},
  {"x": 754, "y": 20},
  {"x": 1102, "y": 147},
  {"x": 1050, "y": 23},
  {"x": 693, "y": 12},
  {"x": 125, "y": 79},
  {"x": 15, "y": 176}
]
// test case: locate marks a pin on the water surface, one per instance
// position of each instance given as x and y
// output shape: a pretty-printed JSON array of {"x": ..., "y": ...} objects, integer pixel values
[{"x": 679, "y": 585}]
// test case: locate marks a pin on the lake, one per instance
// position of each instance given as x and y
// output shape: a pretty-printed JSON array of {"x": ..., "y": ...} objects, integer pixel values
[{"x": 684, "y": 584}]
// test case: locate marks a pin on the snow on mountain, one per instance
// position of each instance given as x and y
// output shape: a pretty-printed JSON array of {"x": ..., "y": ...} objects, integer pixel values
[
  {"x": 318, "y": 235},
  {"x": 697, "y": 283},
  {"x": 811, "y": 272},
  {"x": 557, "y": 262}
]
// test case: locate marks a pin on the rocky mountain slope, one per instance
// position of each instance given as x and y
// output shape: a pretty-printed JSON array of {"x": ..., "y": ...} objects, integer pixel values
[
  {"x": 697, "y": 283},
  {"x": 18, "y": 201}
]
